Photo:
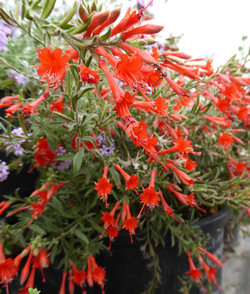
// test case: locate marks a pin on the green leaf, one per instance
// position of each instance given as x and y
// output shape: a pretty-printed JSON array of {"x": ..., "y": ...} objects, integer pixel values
[
  {"x": 96, "y": 226},
  {"x": 67, "y": 156},
  {"x": 115, "y": 176},
  {"x": 47, "y": 8},
  {"x": 69, "y": 15},
  {"x": 77, "y": 161},
  {"x": 37, "y": 229},
  {"x": 58, "y": 204},
  {"x": 81, "y": 236},
  {"x": 53, "y": 253},
  {"x": 107, "y": 35},
  {"x": 84, "y": 91},
  {"x": 83, "y": 27}
]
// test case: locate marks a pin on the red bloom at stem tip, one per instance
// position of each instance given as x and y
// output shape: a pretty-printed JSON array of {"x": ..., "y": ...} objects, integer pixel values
[
  {"x": 149, "y": 197},
  {"x": 130, "y": 224},
  {"x": 103, "y": 187},
  {"x": 131, "y": 181},
  {"x": 194, "y": 273},
  {"x": 53, "y": 63},
  {"x": 62, "y": 288},
  {"x": 8, "y": 269},
  {"x": 88, "y": 75},
  {"x": 58, "y": 105}
]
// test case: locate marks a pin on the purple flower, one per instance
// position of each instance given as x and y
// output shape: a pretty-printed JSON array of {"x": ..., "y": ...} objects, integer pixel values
[
  {"x": 61, "y": 165},
  {"x": 16, "y": 148},
  {"x": 20, "y": 79},
  {"x": 4, "y": 171},
  {"x": 106, "y": 148}
]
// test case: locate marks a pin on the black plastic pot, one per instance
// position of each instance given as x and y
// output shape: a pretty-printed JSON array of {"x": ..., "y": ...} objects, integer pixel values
[{"x": 126, "y": 267}]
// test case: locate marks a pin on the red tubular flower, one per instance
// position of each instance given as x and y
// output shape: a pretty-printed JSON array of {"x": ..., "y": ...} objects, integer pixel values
[
  {"x": 192, "y": 73},
  {"x": 7, "y": 101},
  {"x": 129, "y": 20},
  {"x": 26, "y": 269},
  {"x": 54, "y": 188},
  {"x": 222, "y": 121},
  {"x": 57, "y": 105},
  {"x": 144, "y": 55},
  {"x": 88, "y": 75},
  {"x": 226, "y": 140},
  {"x": 3, "y": 206},
  {"x": 31, "y": 107},
  {"x": 128, "y": 69},
  {"x": 43, "y": 188},
  {"x": 107, "y": 219},
  {"x": 41, "y": 261},
  {"x": 176, "y": 54},
  {"x": 52, "y": 63},
  {"x": 213, "y": 98},
  {"x": 181, "y": 145},
  {"x": 79, "y": 276},
  {"x": 30, "y": 282},
  {"x": 37, "y": 209},
  {"x": 98, "y": 19},
  {"x": 103, "y": 187},
  {"x": 149, "y": 197},
  {"x": 120, "y": 26},
  {"x": 185, "y": 199},
  {"x": 239, "y": 167},
  {"x": 16, "y": 211},
  {"x": 176, "y": 88},
  {"x": 131, "y": 181},
  {"x": 210, "y": 274},
  {"x": 13, "y": 109},
  {"x": 148, "y": 29},
  {"x": 8, "y": 269},
  {"x": 211, "y": 256},
  {"x": 190, "y": 164},
  {"x": 116, "y": 90},
  {"x": 182, "y": 176},
  {"x": 113, "y": 15},
  {"x": 113, "y": 61},
  {"x": 98, "y": 273},
  {"x": 130, "y": 224},
  {"x": 194, "y": 273},
  {"x": 113, "y": 231},
  {"x": 71, "y": 285},
  {"x": 168, "y": 210},
  {"x": 124, "y": 210},
  {"x": 62, "y": 288},
  {"x": 72, "y": 54},
  {"x": 89, "y": 274}
]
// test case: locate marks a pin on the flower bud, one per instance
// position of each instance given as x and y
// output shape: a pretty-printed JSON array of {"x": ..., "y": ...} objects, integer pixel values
[
  {"x": 96, "y": 21},
  {"x": 36, "y": 251},
  {"x": 93, "y": 6},
  {"x": 82, "y": 12}
]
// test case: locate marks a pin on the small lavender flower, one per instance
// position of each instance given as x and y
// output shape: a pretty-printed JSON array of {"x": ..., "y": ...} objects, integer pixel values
[
  {"x": 16, "y": 148},
  {"x": 4, "y": 171},
  {"x": 106, "y": 148},
  {"x": 61, "y": 165},
  {"x": 20, "y": 79}
]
